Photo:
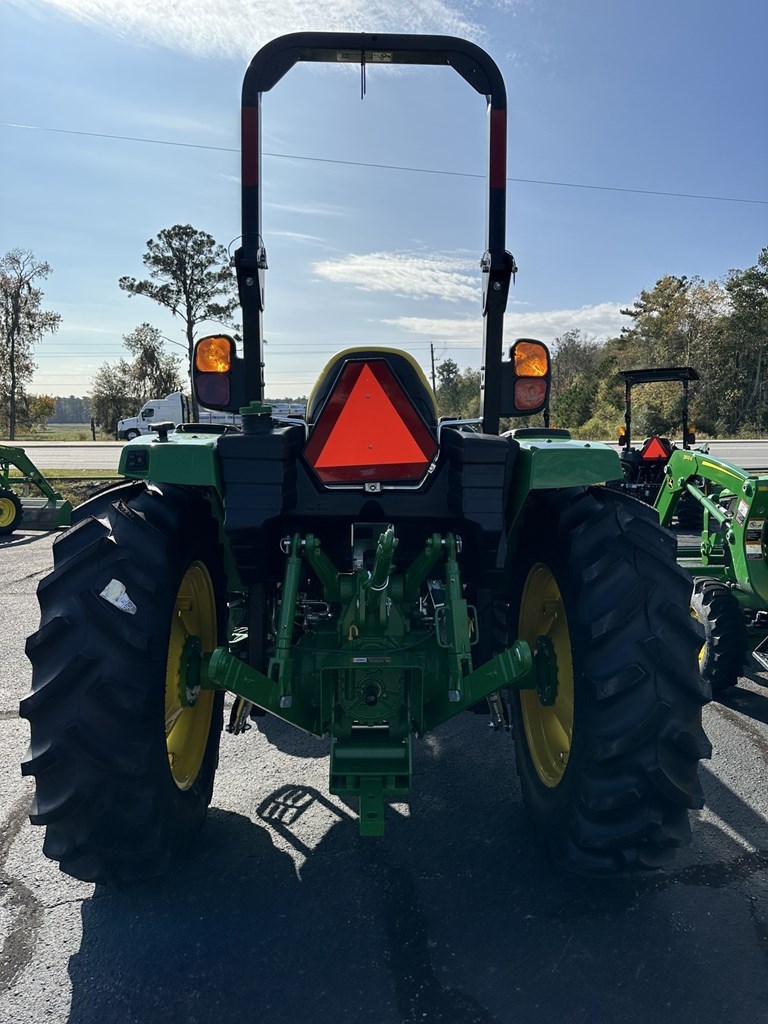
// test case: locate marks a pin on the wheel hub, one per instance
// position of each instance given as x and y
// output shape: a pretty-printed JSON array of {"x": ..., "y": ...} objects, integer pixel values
[
  {"x": 548, "y": 709},
  {"x": 189, "y": 672},
  {"x": 188, "y": 707},
  {"x": 545, "y": 670}
]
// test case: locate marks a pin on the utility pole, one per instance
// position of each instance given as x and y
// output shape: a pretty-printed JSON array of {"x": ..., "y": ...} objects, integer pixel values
[{"x": 432, "y": 355}]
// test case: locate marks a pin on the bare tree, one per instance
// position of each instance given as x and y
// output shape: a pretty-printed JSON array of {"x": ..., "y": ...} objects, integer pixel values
[{"x": 24, "y": 324}]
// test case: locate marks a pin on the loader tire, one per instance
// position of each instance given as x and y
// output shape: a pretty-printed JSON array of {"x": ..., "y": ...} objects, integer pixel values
[
  {"x": 123, "y": 755},
  {"x": 607, "y": 747},
  {"x": 690, "y": 514},
  {"x": 11, "y": 511},
  {"x": 722, "y": 657}
]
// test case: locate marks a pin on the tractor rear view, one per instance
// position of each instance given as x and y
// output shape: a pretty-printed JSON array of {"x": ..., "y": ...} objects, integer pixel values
[
  {"x": 643, "y": 468},
  {"x": 366, "y": 574}
]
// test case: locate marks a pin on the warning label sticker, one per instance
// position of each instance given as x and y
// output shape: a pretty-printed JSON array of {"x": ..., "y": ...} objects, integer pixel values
[
  {"x": 755, "y": 530},
  {"x": 741, "y": 512}
]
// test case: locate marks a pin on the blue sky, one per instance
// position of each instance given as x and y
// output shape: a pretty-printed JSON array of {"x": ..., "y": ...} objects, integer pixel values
[{"x": 667, "y": 96}]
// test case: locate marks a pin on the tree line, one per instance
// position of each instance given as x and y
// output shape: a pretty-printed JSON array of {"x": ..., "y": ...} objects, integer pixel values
[
  {"x": 720, "y": 328},
  {"x": 71, "y": 409}
]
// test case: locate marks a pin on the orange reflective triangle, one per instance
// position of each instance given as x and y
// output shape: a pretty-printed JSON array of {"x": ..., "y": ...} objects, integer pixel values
[
  {"x": 654, "y": 449},
  {"x": 369, "y": 430}
]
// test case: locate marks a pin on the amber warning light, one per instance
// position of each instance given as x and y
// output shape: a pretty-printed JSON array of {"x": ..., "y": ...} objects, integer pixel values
[
  {"x": 369, "y": 430},
  {"x": 214, "y": 356},
  {"x": 531, "y": 364}
]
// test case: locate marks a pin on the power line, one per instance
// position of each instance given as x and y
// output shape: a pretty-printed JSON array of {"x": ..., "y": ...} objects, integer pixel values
[{"x": 393, "y": 167}]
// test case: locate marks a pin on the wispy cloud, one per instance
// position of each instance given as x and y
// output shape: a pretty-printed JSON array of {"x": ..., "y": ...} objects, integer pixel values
[
  {"x": 414, "y": 275},
  {"x": 298, "y": 236},
  {"x": 603, "y": 320},
  {"x": 240, "y": 27},
  {"x": 310, "y": 209}
]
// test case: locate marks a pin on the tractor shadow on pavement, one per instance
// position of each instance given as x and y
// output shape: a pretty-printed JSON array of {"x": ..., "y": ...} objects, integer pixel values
[
  {"x": 289, "y": 739},
  {"x": 17, "y": 539},
  {"x": 453, "y": 917},
  {"x": 752, "y": 703}
]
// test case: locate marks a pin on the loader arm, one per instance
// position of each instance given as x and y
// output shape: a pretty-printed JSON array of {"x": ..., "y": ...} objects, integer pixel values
[{"x": 733, "y": 538}]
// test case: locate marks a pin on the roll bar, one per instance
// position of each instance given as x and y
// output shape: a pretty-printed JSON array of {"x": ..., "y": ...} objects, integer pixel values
[
  {"x": 656, "y": 375},
  {"x": 266, "y": 69}
]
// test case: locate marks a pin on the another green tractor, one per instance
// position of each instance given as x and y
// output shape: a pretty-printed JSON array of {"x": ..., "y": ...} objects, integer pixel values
[
  {"x": 365, "y": 574},
  {"x": 729, "y": 562},
  {"x": 643, "y": 468},
  {"x": 26, "y": 496}
]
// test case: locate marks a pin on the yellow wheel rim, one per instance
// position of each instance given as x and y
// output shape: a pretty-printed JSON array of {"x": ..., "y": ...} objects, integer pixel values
[
  {"x": 187, "y": 728},
  {"x": 548, "y": 728},
  {"x": 7, "y": 512},
  {"x": 703, "y": 649}
]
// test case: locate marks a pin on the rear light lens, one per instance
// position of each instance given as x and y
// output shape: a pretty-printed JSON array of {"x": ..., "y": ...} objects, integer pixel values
[
  {"x": 530, "y": 393},
  {"x": 214, "y": 354},
  {"x": 531, "y": 359},
  {"x": 213, "y": 389},
  {"x": 525, "y": 378}
]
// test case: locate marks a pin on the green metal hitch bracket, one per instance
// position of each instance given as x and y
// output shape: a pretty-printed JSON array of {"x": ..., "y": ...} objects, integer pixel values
[
  {"x": 281, "y": 665},
  {"x": 377, "y": 672}
]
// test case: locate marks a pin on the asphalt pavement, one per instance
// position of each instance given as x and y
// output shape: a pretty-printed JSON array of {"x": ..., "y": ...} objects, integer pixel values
[{"x": 283, "y": 914}]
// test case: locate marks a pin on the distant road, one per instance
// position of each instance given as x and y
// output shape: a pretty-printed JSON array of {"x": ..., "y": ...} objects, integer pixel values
[
  {"x": 85, "y": 455},
  {"x": 748, "y": 454},
  {"x": 73, "y": 455}
]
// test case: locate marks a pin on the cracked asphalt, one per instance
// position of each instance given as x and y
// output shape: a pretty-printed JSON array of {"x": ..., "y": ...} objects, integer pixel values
[{"x": 283, "y": 914}]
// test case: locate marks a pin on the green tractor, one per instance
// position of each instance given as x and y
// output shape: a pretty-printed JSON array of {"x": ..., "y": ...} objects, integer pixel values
[
  {"x": 728, "y": 562},
  {"x": 366, "y": 574},
  {"x": 643, "y": 468},
  {"x": 26, "y": 496}
]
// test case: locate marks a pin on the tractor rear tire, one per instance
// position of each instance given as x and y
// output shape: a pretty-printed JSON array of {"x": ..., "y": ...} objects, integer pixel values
[
  {"x": 608, "y": 764},
  {"x": 11, "y": 511},
  {"x": 722, "y": 657},
  {"x": 124, "y": 756}
]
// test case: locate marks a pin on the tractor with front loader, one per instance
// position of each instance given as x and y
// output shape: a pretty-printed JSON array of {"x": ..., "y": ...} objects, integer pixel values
[
  {"x": 27, "y": 496},
  {"x": 643, "y": 467},
  {"x": 728, "y": 562},
  {"x": 365, "y": 573}
]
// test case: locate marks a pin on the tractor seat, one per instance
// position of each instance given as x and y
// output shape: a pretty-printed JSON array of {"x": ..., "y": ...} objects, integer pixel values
[{"x": 403, "y": 365}]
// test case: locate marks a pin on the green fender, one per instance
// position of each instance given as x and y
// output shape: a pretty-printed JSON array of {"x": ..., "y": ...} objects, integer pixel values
[
  {"x": 178, "y": 459},
  {"x": 187, "y": 460},
  {"x": 546, "y": 462}
]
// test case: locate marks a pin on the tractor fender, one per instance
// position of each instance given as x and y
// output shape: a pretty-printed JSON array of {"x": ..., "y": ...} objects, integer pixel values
[{"x": 545, "y": 462}]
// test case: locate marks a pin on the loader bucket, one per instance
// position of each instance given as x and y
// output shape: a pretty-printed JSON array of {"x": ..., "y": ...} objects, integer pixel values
[{"x": 46, "y": 513}]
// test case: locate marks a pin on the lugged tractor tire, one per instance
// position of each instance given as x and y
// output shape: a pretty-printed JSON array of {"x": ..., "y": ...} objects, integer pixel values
[
  {"x": 124, "y": 772},
  {"x": 722, "y": 657},
  {"x": 690, "y": 514},
  {"x": 11, "y": 511},
  {"x": 609, "y": 768}
]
